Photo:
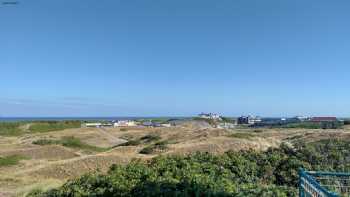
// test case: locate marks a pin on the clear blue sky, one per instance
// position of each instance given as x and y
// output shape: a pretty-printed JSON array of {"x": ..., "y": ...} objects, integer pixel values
[{"x": 174, "y": 57}]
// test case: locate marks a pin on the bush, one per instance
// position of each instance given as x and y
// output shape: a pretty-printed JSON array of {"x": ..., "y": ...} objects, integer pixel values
[
  {"x": 35, "y": 193},
  {"x": 245, "y": 173},
  {"x": 43, "y": 142},
  {"x": 147, "y": 150},
  {"x": 314, "y": 125}
]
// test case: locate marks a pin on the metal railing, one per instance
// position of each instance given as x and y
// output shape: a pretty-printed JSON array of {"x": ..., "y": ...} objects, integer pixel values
[{"x": 323, "y": 184}]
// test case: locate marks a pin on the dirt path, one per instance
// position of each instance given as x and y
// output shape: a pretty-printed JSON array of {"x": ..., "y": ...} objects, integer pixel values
[{"x": 111, "y": 138}]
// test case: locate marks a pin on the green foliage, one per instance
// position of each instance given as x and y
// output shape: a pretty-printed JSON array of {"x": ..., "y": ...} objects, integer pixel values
[
  {"x": 147, "y": 150},
  {"x": 70, "y": 141},
  {"x": 124, "y": 129},
  {"x": 47, "y": 126},
  {"x": 229, "y": 120},
  {"x": 11, "y": 160},
  {"x": 35, "y": 193},
  {"x": 131, "y": 143},
  {"x": 314, "y": 125},
  {"x": 43, "y": 142},
  {"x": 10, "y": 128},
  {"x": 244, "y": 173}
]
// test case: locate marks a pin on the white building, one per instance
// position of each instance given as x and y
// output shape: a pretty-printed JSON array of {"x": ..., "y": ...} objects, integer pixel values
[
  {"x": 165, "y": 125},
  {"x": 210, "y": 116},
  {"x": 226, "y": 125},
  {"x": 93, "y": 124},
  {"x": 125, "y": 123},
  {"x": 254, "y": 119},
  {"x": 302, "y": 118},
  {"x": 249, "y": 120}
]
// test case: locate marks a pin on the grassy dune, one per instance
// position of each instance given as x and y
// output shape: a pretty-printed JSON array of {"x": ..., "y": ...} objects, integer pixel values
[
  {"x": 53, "y": 126},
  {"x": 70, "y": 142},
  {"x": 18, "y": 128},
  {"x": 10, "y": 128},
  {"x": 11, "y": 160}
]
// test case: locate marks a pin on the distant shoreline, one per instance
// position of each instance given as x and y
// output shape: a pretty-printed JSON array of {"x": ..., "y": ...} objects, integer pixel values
[{"x": 14, "y": 119}]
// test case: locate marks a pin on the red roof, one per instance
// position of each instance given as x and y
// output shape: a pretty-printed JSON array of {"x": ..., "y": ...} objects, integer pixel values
[{"x": 323, "y": 119}]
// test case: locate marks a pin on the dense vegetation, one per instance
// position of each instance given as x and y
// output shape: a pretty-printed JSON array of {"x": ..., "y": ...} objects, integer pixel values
[
  {"x": 46, "y": 126},
  {"x": 10, "y": 160},
  {"x": 71, "y": 142},
  {"x": 314, "y": 125},
  {"x": 244, "y": 173}
]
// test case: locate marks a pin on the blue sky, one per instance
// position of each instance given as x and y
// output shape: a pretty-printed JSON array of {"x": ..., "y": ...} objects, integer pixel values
[{"x": 174, "y": 58}]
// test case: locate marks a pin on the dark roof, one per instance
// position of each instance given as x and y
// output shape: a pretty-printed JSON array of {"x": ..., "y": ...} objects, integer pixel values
[{"x": 323, "y": 119}]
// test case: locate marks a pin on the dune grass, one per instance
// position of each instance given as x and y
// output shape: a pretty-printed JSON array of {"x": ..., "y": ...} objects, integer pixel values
[
  {"x": 242, "y": 135},
  {"x": 14, "y": 128},
  {"x": 143, "y": 140},
  {"x": 150, "y": 138},
  {"x": 10, "y": 128},
  {"x": 11, "y": 160},
  {"x": 47, "y": 126},
  {"x": 150, "y": 149},
  {"x": 71, "y": 142}
]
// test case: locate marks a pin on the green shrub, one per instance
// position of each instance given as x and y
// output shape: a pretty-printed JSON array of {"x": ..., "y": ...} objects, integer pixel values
[
  {"x": 131, "y": 143},
  {"x": 44, "y": 142},
  {"x": 35, "y": 193},
  {"x": 245, "y": 173},
  {"x": 124, "y": 129},
  {"x": 314, "y": 125},
  {"x": 147, "y": 150}
]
